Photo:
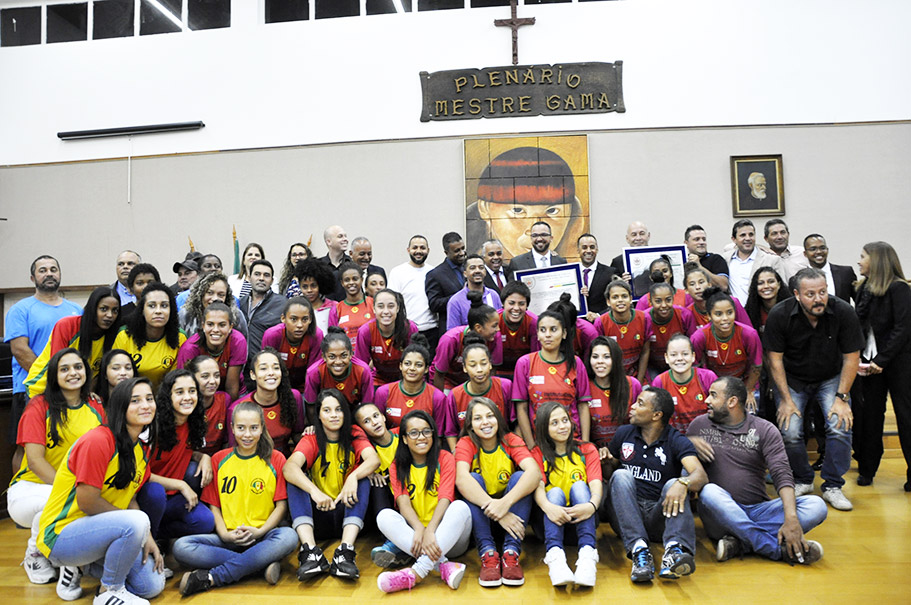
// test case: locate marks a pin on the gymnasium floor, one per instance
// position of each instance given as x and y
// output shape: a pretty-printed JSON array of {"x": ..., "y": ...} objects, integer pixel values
[{"x": 867, "y": 559}]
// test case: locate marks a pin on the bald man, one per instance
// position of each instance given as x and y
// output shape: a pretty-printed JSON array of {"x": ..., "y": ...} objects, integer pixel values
[
  {"x": 637, "y": 236},
  {"x": 336, "y": 239}
]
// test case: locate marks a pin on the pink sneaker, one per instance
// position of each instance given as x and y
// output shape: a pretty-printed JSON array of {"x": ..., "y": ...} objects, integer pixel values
[
  {"x": 394, "y": 581},
  {"x": 452, "y": 573}
]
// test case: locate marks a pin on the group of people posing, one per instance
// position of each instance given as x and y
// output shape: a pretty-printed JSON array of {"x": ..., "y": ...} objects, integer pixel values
[{"x": 232, "y": 432}]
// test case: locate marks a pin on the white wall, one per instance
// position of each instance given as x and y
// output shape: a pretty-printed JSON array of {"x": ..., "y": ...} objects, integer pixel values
[{"x": 686, "y": 63}]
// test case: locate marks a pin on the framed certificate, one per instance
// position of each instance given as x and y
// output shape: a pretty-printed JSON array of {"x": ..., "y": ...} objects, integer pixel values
[
  {"x": 548, "y": 284},
  {"x": 638, "y": 259}
]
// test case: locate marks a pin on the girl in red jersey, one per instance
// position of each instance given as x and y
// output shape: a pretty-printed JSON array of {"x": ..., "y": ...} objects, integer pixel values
[
  {"x": 50, "y": 424},
  {"x": 116, "y": 366},
  {"x": 316, "y": 281},
  {"x": 552, "y": 374},
  {"x": 413, "y": 392},
  {"x": 496, "y": 475},
  {"x": 215, "y": 403},
  {"x": 613, "y": 391},
  {"x": 582, "y": 331},
  {"x": 631, "y": 329},
  {"x": 297, "y": 339},
  {"x": 282, "y": 405},
  {"x": 447, "y": 371},
  {"x": 661, "y": 272},
  {"x": 687, "y": 385},
  {"x": 518, "y": 327},
  {"x": 248, "y": 500},
  {"x": 91, "y": 523},
  {"x": 179, "y": 470},
  {"x": 569, "y": 494},
  {"x": 218, "y": 339},
  {"x": 476, "y": 363},
  {"x": 728, "y": 347},
  {"x": 767, "y": 289},
  {"x": 430, "y": 524},
  {"x": 357, "y": 308},
  {"x": 339, "y": 370},
  {"x": 668, "y": 319},
  {"x": 381, "y": 341},
  {"x": 697, "y": 281},
  {"x": 328, "y": 489}
]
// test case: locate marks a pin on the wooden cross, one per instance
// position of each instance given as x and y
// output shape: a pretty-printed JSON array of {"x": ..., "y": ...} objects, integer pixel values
[{"x": 514, "y": 23}]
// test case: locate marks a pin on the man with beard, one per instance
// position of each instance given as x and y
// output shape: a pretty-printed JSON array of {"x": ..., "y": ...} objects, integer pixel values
[
  {"x": 446, "y": 279},
  {"x": 595, "y": 276},
  {"x": 540, "y": 255},
  {"x": 262, "y": 308},
  {"x": 362, "y": 253},
  {"x": 28, "y": 327},
  {"x": 813, "y": 342},
  {"x": 408, "y": 279},
  {"x": 736, "y": 448},
  {"x": 497, "y": 275},
  {"x": 458, "y": 305}
]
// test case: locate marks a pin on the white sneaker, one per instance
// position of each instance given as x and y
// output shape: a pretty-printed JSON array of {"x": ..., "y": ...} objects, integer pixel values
[
  {"x": 38, "y": 569},
  {"x": 68, "y": 587},
  {"x": 586, "y": 567},
  {"x": 559, "y": 571},
  {"x": 121, "y": 596},
  {"x": 802, "y": 489},
  {"x": 836, "y": 498}
]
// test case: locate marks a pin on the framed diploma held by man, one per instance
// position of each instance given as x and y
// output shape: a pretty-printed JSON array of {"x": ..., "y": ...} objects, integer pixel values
[
  {"x": 549, "y": 283},
  {"x": 639, "y": 260}
]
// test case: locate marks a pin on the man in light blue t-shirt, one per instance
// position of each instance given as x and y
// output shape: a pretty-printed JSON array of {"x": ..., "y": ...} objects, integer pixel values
[{"x": 28, "y": 328}]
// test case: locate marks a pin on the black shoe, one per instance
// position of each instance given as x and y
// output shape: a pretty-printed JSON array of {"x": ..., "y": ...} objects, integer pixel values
[
  {"x": 908, "y": 486},
  {"x": 312, "y": 562},
  {"x": 676, "y": 562},
  {"x": 643, "y": 566},
  {"x": 864, "y": 481},
  {"x": 195, "y": 581},
  {"x": 343, "y": 565},
  {"x": 817, "y": 466}
]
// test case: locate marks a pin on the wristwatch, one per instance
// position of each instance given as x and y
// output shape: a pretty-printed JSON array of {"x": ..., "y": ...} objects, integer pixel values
[
  {"x": 684, "y": 480},
  {"x": 844, "y": 397}
]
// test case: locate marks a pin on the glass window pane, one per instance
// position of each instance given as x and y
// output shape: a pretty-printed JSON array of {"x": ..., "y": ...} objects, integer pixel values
[
  {"x": 113, "y": 19},
  {"x": 209, "y": 14},
  {"x": 483, "y": 3},
  {"x": 436, "y": 5},
  {"x": 67, "y": 22},
  {"x": 160, "y": 16},
  {"x": 327, "y": 9},
  {"x": 280, "y": 11},
  {"x": 380, "y": 7},
  {"x": 545, "y": 1},
  {"x": 20, "y": 26}
]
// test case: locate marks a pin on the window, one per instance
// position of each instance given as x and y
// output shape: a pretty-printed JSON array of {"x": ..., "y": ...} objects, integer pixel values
[
  {"x": 160, "y": 17},
  {"x": 280, "y": 11},
  {"x": 20, "y": 26},
  {"x": 327, "y": 9},
  {"x": 379, "y": 7},
  {"x": 209, "y": 14},
  {"x": 113, "y": 19},
  {"x": 67, "y": 22},
  {"x": 435, "y": 5}
]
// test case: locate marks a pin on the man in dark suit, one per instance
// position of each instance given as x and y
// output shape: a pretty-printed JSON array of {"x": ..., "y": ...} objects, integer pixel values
[
  {"x": 839, "y": 278},
  {"x": 362, "y": 253},
  {"x": 497, "y": 275},
  {"x": 595, "y": 276},
  {"x": 446, "y": 278},
  {"x": 637, "y": 235},
  {"x": 540, "y": 255}
]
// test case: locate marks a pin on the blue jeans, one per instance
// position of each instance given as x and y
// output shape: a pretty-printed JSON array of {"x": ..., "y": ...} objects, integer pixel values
[
  {"x": 481, "y": 524},
  {"x": 110, "y": 544},
  {"x": 638, "y": 519},
  {"x": 755, "y": 525},
  {"x": 229, "y": 563},
  {"x": 838, "y": 440},
  {"x": 328, "y": 524},
  {"x": 168, "y": 515},
  {"x": 584, "y": 530}
]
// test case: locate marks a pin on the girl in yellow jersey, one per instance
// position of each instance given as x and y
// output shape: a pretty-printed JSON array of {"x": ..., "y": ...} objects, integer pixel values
[
  {"x": 152, "y": 337},
  {"x": 496, "y": 475},
  {"x": 50, "y": 424},
  {"x": 328, "y": 489},
  {"x": 429, "y": 524},
  {"x": 116, "y": 366},
  {"x": 91, "y": 518},
  {"x": 569, "y": 494},
  {"x": 248, "y": 500}
]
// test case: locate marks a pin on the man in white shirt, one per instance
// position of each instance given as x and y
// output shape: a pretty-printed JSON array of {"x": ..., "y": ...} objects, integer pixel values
[
  {"x": 126, "y": 260},
  {"x": 540, "y": 255},
  {"x": 408, "y": 280},
  {"x": 746, "y": 259}
]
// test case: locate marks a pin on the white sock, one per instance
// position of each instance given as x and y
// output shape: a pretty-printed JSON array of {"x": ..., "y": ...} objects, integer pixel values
[{"x": 639, "y": 544}]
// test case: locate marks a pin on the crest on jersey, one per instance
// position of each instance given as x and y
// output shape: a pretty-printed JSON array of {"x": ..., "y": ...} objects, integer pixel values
[{"x": 627, "y": 450}]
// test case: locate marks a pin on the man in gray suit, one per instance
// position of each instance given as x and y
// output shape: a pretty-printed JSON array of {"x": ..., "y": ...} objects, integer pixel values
[{"x": 540, "y": 255}]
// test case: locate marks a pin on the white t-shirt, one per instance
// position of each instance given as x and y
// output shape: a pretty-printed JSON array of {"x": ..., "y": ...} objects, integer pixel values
[{"x": 408, "y": 281}]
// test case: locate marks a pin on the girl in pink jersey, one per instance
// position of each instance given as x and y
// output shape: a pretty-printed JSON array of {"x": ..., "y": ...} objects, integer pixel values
[
  {"x": 612, "y": 390},
  {"x": 688, "y": 386}
]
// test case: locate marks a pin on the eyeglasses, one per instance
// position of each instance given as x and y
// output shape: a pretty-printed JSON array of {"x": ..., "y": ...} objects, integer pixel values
[
  {"x": 540, "y": 235},
  {"x": 817, "y": 249},
  {"x": 414, "y": 433}
]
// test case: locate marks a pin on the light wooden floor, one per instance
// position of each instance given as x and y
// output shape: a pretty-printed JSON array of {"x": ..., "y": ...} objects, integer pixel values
[{"x": 867, "y": 558}]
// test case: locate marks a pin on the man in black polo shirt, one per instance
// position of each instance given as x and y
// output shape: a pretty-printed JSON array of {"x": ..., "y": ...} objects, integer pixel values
[
  {"x": 648, "y": 496},
  {"x": 697, "y": 251},
  {"x": 814, "y": 342}
]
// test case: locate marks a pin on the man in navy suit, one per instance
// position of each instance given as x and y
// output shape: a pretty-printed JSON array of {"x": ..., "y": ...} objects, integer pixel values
[
  {"x": 540, "y": 255},
  {"x": 497, "y": 274},
  {"x": 595, "y": 276},
  {"x": 839, "y": 278},
  {"x": 446, "y": 278}
]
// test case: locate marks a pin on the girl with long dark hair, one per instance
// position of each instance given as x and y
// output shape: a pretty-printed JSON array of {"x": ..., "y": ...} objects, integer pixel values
[
  {"x": 446, "y": 370},
  {"x": 296, "y": 253},
  {"x": 476, "y": 364},
  {"x": 767, "y": 289},
  {"x": 339, "y": 369},
  {"x": 613, "y": 391},
  {"x": 661, "y": 272},
  {"x": 630, "y": 328},
  {"x": 357, "y": 308},
  {"x": 210, "y": 288},
  {"x": 382, "y": 340},
  {"x": 214, "y": 403},
  {"x": 218, "y": 339},
  {"x": 240, "y": 282},
  {"x": 328, "y": 489},
  {"x": 668, "y": 318},
  {"x": 297, "y": 339},
  {"x": 116, "y": 366}
]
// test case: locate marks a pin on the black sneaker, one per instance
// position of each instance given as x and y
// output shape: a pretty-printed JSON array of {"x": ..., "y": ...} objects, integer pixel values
[
  {"x": 343, "y": 565},
  {"x": 643, "y": 566},
  {"x": 312, "y": 562},
  {"x": 676, "y": 562},
  {"x": 195, "y": 581},
  {"x": 813, "y": 554},
  {"x": 728, "y": 548}
]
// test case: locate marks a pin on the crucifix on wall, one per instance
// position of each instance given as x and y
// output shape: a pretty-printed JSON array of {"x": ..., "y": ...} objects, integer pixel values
[{"x": 514, "y": 22}]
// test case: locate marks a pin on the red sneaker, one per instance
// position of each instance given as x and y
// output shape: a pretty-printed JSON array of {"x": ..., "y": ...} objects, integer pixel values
[
  {"x": 490, "y": 570},
  {"x": 512, "y": 571}
]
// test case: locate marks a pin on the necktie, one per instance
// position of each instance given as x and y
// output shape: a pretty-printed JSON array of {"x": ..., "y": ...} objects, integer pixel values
[
  {"x": 544, "y": 261},
  {"x": 585, "y": 273},
  {"x": 499, "y": 281}
]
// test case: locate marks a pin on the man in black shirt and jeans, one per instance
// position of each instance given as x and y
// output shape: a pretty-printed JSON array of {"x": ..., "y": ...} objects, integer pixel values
[{"x": 814, "y": 342}]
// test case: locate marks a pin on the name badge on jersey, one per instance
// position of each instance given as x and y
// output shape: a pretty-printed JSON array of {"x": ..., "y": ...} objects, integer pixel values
[
  {"x": 343, "y": 319},
  {"x": 394, "y": 412},
  {"x": 377, "y": 349},
  {"x": 675, "y": 400},
  {"x": 627, "y": 450},
  {"x": 284, "y": 356},
  {"x": 594, "y": 403},
  {"x": 614, "y": 338},
  {"x": 712, "y": 353},
  {"x": 653, "y": 338},
  {"x": 536, "y": 380}
]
